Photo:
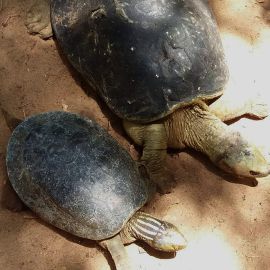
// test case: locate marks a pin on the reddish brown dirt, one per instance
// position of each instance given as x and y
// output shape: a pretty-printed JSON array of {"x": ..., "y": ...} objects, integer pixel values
[{"x": 225, "y": 219}]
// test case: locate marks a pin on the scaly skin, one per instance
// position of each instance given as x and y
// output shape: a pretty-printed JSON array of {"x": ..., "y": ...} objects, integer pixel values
[
  {"x": 154, "y": 139},
  {"x": 38, "y": 19},
  {"x": 196, "y": 127}
]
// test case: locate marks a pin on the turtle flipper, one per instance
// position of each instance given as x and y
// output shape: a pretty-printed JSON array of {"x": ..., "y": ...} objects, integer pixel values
[
  {"x": 153, "y": 138},
  {"x": 38, "y": 19},
  {"x": 228, "y": 107},
  {"x": 117, "y": 250}
]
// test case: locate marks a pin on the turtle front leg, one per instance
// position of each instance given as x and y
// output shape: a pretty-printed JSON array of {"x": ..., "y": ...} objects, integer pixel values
[
  {"x": 38, "y": 19},
  {"x": 153, "y": 138},
  {"x": 229, "y": 107},
  {"x": 197, "y": 128},
  {"x": 117, "y": 250}
]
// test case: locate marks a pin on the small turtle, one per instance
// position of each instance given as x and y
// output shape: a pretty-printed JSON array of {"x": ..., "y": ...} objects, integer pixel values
[
  {"x": 69, "y": 171},
  {"x": 158, "y": 65}
]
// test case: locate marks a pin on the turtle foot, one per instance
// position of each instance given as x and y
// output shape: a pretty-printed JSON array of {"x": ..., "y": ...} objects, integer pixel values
[
  {"x": 258, "y": 107},
  {"x": 38, "y": 19}
]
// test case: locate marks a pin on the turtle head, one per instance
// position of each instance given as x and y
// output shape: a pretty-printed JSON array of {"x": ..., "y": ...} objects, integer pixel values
[
  {"x": 169, "y": 238},
  {"x": 244, "y": 159},
  {"x": 159, "y": 234}
]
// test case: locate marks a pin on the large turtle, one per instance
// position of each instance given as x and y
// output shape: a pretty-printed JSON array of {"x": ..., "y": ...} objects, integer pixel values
[
  {"x": 69, "y": 171},
  {"x": 157, "y": 64}
]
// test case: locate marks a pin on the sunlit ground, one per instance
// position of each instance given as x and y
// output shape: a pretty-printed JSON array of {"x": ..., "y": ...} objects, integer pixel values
[{"x": 207, "y": 250}]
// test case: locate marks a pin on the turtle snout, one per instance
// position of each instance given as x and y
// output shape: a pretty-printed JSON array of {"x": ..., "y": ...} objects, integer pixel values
[
  {"x": 258, "y": 164},
  {"x": 247, "y": 162},
  {"x": 261, "y": 173},
  {"x": 170, "y": 239},
  {"x": 254, "y": 173}
]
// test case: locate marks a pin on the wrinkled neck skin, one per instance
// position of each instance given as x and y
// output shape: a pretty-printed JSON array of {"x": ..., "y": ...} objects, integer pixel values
[
  {"x": 196, "y": 127},
  {"x": 134, "y": 231}
]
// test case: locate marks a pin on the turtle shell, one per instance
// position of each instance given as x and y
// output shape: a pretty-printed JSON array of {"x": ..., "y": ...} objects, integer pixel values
[
  {"x": 69, "y": 171},
  {"x": 144, "y": 57}
]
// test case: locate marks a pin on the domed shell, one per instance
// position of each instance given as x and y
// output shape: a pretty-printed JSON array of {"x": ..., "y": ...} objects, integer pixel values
[
  {"x": 145, "y": 57},
  {"x": 74, "y": 175}
]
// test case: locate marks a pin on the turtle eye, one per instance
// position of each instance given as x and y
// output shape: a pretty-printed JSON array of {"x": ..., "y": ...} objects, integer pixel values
[{"x": 247, "y": 153}]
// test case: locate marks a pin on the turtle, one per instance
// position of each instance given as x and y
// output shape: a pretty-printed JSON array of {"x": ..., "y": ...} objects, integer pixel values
[
  {"x": 160, "y": 66},
  {"x": 74, "y": 175}
]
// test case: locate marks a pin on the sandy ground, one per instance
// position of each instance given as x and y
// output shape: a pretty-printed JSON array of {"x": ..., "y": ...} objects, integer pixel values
[{"x": 226, "y": 220}]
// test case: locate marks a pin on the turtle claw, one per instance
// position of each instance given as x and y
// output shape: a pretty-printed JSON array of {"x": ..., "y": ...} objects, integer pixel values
[
  {"x": 165, "y": 187},
  {"x": 46, "y": 32},
  {"x": 165, "y": 183},
  {"x": 38, "y": 19}
]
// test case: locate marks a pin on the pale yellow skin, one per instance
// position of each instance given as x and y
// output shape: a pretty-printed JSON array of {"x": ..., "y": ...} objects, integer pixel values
[
  {"x": 197, "y": 126},
  {"x": 38, "y": 19}
]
